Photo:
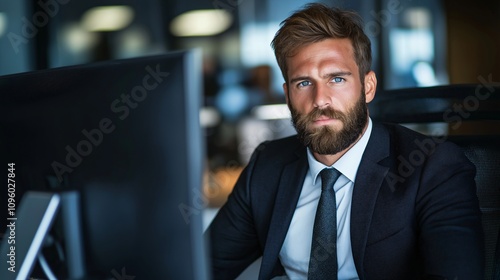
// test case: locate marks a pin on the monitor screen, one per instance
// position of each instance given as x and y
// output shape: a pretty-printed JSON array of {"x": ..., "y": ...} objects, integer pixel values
[{"x": 125, "y": 135}]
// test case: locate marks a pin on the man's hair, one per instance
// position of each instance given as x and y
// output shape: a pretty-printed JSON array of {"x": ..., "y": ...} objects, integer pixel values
[{"x": 317, "y": 22}]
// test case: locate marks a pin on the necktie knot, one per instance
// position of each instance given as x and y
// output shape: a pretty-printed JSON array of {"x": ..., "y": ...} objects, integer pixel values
[{"x": 328, "y": 177}]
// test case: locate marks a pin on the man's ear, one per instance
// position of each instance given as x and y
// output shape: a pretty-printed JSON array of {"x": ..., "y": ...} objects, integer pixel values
[{"x": 370, "y": 86}]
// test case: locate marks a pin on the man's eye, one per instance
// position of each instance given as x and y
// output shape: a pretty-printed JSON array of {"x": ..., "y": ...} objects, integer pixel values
[
  {"x": 304, "y": 84},
  {"x": 338, "y": 80}
]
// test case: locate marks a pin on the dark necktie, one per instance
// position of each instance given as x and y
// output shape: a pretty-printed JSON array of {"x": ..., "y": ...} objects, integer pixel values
[{"x": 323, "y": 260}]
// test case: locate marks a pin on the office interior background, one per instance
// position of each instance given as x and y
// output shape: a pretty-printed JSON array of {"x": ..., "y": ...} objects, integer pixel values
[{"x": 415, "y": 43}]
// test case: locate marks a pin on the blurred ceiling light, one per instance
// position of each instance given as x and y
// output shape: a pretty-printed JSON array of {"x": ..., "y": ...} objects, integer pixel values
[
  {"x": 418, "y": 18},
  {"x": 77, "y": 39},
  {"x": 209, "y": 117},
  {"x": 133, "y": 42},
  {"x": 201, "y": 23},
  {"x": 3, "y": 23},
  {"x": 107, "y": 18}
]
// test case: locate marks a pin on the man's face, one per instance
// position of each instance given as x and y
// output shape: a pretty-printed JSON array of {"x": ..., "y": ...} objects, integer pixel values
[{"x": 326, "y": 95}]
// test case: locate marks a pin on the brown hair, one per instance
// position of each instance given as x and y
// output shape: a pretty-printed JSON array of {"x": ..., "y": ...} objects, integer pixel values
[{"x": 317, "y": 22}]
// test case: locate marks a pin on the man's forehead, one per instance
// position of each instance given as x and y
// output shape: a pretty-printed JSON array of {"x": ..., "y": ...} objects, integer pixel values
[{"x": 335, "y": 54}]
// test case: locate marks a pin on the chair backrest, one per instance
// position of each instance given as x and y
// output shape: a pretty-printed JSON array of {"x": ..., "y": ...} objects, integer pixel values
[
  {"x": 484, "y": 152},
  {"x": 455, "y": 107},
  {"x": 455, "y": 104}
]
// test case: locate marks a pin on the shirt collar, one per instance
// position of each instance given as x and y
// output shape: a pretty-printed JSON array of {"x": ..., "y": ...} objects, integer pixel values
[{"x": 348, "y": 164}]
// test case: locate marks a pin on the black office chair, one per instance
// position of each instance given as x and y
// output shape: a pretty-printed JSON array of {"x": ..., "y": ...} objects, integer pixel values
[{"x": 472, "y": 114}]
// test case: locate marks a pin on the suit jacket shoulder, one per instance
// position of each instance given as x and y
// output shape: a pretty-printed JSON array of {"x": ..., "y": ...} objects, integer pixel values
[{"x": 412, "y": 192}]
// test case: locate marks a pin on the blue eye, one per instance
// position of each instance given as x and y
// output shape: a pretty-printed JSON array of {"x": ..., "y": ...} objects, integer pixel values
[
  {"x": 338, "y": 80},
  {"x": 304, "y": 84}
]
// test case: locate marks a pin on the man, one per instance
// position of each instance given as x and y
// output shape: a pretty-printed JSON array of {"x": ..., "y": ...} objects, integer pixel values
[{"x": 406, "y": 206}]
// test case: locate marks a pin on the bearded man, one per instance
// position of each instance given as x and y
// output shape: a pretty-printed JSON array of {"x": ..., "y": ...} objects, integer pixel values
[{"x": 336, "y": 201}]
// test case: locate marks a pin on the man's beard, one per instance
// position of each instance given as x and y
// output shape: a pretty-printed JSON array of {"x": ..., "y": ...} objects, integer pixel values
[{"x": 326, "y": 140}]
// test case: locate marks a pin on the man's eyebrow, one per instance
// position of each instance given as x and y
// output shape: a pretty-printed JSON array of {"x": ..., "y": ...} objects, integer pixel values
[
  {"x": 337, "y": 74},
  {"x": 301, "y": 78}
]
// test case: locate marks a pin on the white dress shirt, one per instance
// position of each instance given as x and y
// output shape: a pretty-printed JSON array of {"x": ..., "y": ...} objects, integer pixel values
[{"x": 296, "y": 249}]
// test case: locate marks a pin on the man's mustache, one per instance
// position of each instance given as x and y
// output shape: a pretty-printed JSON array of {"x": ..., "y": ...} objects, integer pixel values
[{"x": 325, "y": 112}]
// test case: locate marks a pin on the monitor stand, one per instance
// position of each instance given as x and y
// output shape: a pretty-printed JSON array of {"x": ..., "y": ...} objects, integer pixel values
[
  {"x": 27, "y": 230},
  {"x": 25, "y": 233}
]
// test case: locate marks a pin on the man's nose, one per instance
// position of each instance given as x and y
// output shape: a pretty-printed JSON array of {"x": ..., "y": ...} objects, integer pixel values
[{"x": 321, "y": 96}]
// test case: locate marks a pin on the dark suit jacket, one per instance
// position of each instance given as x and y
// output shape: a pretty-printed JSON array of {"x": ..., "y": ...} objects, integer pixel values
[{"x": 415, "y": 213}]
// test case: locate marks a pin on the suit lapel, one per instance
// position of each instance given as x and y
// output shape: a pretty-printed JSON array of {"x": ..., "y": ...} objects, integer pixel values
[
  {"x": 287, "y": 196},
  {"x": 370, "y": 176},
  {"x": 369, "y": 179}
]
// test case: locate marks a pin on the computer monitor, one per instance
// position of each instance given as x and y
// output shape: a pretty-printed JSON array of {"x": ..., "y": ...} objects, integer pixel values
[{"x": 125, "y": 136}]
